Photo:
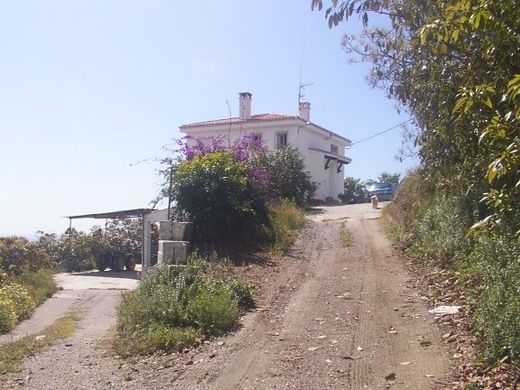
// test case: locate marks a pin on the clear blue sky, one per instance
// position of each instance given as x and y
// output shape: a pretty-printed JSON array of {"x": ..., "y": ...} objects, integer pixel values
[{"x": 89, "y": 87}]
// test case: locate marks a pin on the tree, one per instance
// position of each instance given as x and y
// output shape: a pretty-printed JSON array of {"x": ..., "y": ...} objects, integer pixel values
[
  {"x": 288, "y": 178},
  {"x": 391, "y": 178},
  {"x": 225, "y": 190},
  {"x": 355, "y": 191},
  {"x": 454, "y": 65},
  {"x": 215, "y": 192}
]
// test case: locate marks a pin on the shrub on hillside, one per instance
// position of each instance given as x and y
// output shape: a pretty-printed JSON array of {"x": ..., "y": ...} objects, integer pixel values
[
  {"x": 19, "y": 255},
  {"x": 39, "y": 284},
  {"x": 217, "y": 195},
  {"x": 288, "y": 177},
  {"x": 15, "y": 303},
  {"x": 175, "y": 307},
  {"x": 441, "y": 231},
  {"x": 494, "y": 263},
  {"x": 286, "y": 220}
]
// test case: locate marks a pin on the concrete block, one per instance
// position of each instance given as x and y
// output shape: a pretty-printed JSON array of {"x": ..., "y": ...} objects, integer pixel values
[
  {"x": 173, "y": 252},
  {"x": 166, "y": 230},
  {"x": 166, "y": 252},
  {"x": 181, "y": 249},
  {"x": 182, "y": 231}
]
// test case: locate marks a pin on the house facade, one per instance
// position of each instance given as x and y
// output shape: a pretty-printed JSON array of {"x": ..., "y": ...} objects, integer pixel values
[{"x": 323, "y": 150}]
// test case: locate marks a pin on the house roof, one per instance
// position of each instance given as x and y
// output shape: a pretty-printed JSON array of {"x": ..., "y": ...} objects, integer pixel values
[
  {"x": 257, "y": 119},
  {"x": 237, "y": 120}
]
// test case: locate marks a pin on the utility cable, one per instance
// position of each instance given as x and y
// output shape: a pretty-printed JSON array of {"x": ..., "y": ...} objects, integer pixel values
[{"x": 381, "y": 132}]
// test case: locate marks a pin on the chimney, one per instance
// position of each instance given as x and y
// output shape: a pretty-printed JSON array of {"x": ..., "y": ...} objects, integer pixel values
[
  {"x": 305, "y": 111},
  {"x": 245, "y": 105}
]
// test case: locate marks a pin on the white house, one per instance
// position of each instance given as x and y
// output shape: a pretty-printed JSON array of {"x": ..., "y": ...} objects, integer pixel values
[{"x": 322, "y": 149}]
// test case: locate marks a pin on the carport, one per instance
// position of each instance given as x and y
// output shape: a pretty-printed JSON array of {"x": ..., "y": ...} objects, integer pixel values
[{"x": 148, "y": 216}]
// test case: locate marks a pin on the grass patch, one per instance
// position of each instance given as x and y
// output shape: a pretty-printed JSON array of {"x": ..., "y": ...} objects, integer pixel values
[
  {"x": 345, "y": 236},
  {"x": 287, "y": 220},
  {"x": 175, "y": 307},
  {"x": 13, "y": 353},
  {"x": 39, "y": 284},
  {"x": 20, "y": 294}
]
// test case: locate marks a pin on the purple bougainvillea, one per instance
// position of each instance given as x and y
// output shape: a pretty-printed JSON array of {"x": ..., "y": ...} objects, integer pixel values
[
  {"x": 248, "y": 150},
  {"x": 245, "y": 149}
]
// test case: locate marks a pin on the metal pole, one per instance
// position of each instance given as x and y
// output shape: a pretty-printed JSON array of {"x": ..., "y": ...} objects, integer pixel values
[{"x": 170, "y": 192}]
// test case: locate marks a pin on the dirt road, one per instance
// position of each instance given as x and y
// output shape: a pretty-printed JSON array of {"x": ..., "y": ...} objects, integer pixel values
[
  {"x": 331, "y": 318},
  {"x": 336, "y": 318}
]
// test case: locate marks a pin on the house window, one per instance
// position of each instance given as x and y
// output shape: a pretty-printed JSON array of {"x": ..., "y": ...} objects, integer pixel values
[
  {"x": 334, "y": 149},
  {"x": 281, "y": 139},
  {"x": 257, "y": 136}
]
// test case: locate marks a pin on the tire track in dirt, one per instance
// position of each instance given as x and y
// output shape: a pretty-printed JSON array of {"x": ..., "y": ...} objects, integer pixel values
[{"x": 243, "y": 351}]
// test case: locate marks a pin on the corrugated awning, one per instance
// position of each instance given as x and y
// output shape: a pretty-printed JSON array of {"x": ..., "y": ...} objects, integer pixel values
[{"x": 133, "y": 213}]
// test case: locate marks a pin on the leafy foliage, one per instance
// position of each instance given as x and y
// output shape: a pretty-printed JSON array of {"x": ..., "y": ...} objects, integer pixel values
[
  {"x": 18, "y": 255},
  {"x": 225, "y": 190},
  {"x": 391, "y": 178},
  {"x": 15, "y": 304},
  {"x": 355, "y": 191},
  {"x": 454, "y": 66},
  {"x": 495, "y": 264},
  {"x": 286, "y": 220},
  {"x": 175, "y": 307},
  {"x": 288, "y": 178},
  {"x": 216, "y": 194}
]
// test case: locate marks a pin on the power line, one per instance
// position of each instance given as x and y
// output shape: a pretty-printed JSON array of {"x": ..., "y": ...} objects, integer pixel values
[{"x": 381, "y": 132}]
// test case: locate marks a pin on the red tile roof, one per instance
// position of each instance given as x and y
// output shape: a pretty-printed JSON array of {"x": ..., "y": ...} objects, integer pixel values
[
  {"x": 256, "y": 119},
  {"x": 237, "y": 120}
]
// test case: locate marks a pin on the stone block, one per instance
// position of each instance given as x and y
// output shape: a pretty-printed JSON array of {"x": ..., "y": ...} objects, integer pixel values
[
  {"x": 181, "y": 249},
  {"x": 166, "y": 252},
  {"x": 166, "y": 230},
  {"x": 182, "y": 231}
]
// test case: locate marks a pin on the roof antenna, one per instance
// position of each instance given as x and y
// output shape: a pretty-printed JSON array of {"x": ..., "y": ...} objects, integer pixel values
[
  {"x": 301, "y": 85},
  {"x": 301, "y": 95}
]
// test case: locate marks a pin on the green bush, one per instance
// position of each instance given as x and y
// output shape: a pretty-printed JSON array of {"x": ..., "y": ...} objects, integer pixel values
[
  {"x": 288, "y": 178},
  {"x": 494, "y": 263},
  {"x": 286, "y": 221},
  {"x": 40, "y": 284},
  {"x": 19, "y": 255},
  {"x": 175, "y": 307},
  {"x": 214, "y": 309},
  {"x": 15, "y": 303},
  {"x": 216, "y": 194},
  {"x": 441, "y": 231}
]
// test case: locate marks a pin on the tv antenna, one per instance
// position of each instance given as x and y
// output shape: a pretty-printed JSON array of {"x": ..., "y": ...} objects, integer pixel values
[{"x": 301, "y": 95}]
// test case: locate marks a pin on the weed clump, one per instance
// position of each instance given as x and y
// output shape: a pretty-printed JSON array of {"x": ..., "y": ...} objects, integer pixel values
[
  {"x": 345, "y": 236},
  {"x": 287, "y": 219},
  {"x": 175, "y": 307}
]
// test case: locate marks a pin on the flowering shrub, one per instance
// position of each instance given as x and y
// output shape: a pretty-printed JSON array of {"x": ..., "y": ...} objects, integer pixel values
[
  {"x": 15, "y": 303},
  {"x": 224, "y": 187},
  {"x": 218, "y": 195}
]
